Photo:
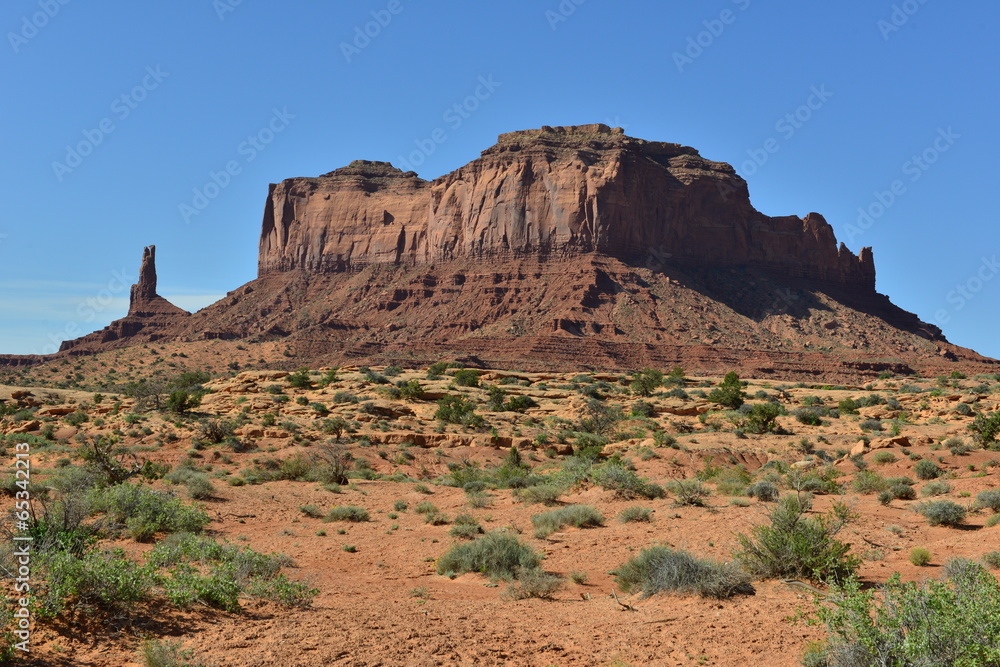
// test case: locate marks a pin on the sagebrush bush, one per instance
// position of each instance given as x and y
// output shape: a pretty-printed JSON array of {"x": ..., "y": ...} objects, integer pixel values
[
  {"x": 764, "y": 491},
  {"x": 630, "y": 514},
  {"x": 688, "y": 492},
  {"x": 926, "y": 470},
  {"x": 793, "y": 545},
  {"x": 902, "y": 492},
  {"x": 920, "y": 556},
  {"x": 989, "y": 498},
  {"x": 881, "y": 458},
  {"x": 624, "y": 482},
  {"x": 541, "y": 494},
  {"x": 533, "y": 584},
  {"x": 579, "y": 516},
  {"x": 108, "y": 580},
  {"x": 659, "y": 569},
  {"x": 144, "y": 512},
  {"x": 156, "y": 653},
  {"x": 868, "y": 482},
  {"x": 942, "y": 512},
  {"x": 498, "y": 555},
  {"x": 938, "y": 487},
  {"x": 351, "y": 513}
]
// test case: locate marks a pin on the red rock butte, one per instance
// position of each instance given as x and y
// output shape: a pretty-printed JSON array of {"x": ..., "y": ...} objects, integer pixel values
[{"x": 560, "y": 248}]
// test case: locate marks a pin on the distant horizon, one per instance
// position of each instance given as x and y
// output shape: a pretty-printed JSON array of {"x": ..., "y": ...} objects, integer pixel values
[{"x": 875, "y": 115}]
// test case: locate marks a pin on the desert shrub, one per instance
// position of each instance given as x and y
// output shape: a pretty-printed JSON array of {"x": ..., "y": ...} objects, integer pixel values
[
  {"x": 410, "y": 391},
  {"x": 579, "y": 516},
  {"x": 729, "y": 393},
  {"x": 498, "y": 555},
  {"x": 466, "y": 526},
  {"x": 156, "y": 653},
  {"x": 540, "y": 494},
  {"x": 927, "y": 470},
  {"x": 762, "y": 418},
  {"x": 920, "y": 556},
  {"x": 630, "y": 514},
  {"x": 881, "y": 458},
  {"x": 808, "y": 417},
  {"x": 344, "y": 397},
  {"x": 659, "y": 569},
  {"x": 942, "y": 512},
  {"x": 533, "y": 584},
  {"x": 646, "y": 381},
  {"x": 989, "y": 498},
  {"x": 144, "y": 512},
  {"x": 870, "y": 425},
  {"x": 764, "y": 491},
  {"x": 351, "y": 513},
  {"x": 643, "y": 409},
  {"x": 937, "y": 487},
  {"x": 300, "y": 379},
  {"x": 107, "y": 580},
  {"x": 199, "y": 486},
  {"x": 869, "y": 482},
  {"x": 688, "y": 492},
  {"x": 948, "y": 622},
  {"x": 600, "y": 418},
  {"x": 985, "y": 428},
  {"x": 216, "y": 430},
  {"x": 991, "y": 560},
  {"x": 792, "y": 545},
  {"x": 467, "y": 378},
  {"x": 624, "y": 482},
  {"x": 902, "y": 492},
  {"x": 458, "y": 410},
  {"x": 181, "y": 401}
]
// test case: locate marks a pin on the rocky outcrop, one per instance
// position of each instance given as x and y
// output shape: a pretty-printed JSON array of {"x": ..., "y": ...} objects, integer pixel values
[{"x": 549, "y": 192}]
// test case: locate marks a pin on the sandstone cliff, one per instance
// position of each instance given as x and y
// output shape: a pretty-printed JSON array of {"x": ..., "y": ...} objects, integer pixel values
[{"x": 553, "y": 191}]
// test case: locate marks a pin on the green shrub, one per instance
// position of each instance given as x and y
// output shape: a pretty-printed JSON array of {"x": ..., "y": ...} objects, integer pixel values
[
  {"x": 630, "y": 514},
  {"x": 108, "y": 580},
  {"x": 467, "y": 378},
  {"x": 659, "y": 569},
  {"x": 156, "y": 653},
  {"x": 646, "y": 381},
  {"x": 764, "y": 491},
  {"x": 927, "y": 470},
  {"x": 947, "y": 622},
  {"x": 795, "y": 546},
  {"x": 458, "y": 410},
  {"x": 351, "y": 513},
  {"x": 808, "y": 417},
  {"x": 902, "y": 492},
  {"x": 688, "y": 492},
  {"x": 498, "y": 555},
  {"x": 625, "y": 483},
  {"x": 942, "y": 513},
  {"x": 199, "y": 486},
  {"x": 762, "y": 418},
  {"x": 579, "y": 516},
  {"x": 300, "y": 379},
  {"x": 540, "y": 494},
  {"x": 985, "y": 428},
  {"x": 533, "y": 584},
  {"x": 729, "y": 393},
  {"x": 144, "y": 512},
  {"x": 989, "y": 498},
  {"x": 920, "y": 556},
  {"x": 936, "y": 488},
  {"x": 882, "y": 458},
  {"x": 466, "y": 526},
  {"x": 869, "y": 482}
]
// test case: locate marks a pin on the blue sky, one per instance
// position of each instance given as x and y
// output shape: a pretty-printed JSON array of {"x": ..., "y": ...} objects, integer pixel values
[{"x": 128, "y": 124}]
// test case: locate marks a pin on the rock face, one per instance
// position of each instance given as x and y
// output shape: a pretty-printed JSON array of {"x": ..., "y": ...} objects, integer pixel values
[
  {"x": 555, "y": 191},
  {"x": 145, "y": 289}
]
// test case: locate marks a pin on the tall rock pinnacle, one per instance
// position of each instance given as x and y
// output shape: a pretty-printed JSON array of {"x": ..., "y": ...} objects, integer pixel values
[{"x": 144, "y": 290}]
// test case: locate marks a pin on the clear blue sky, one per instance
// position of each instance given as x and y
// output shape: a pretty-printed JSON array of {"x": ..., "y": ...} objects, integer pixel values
[{"x": 157, "y": 96}]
